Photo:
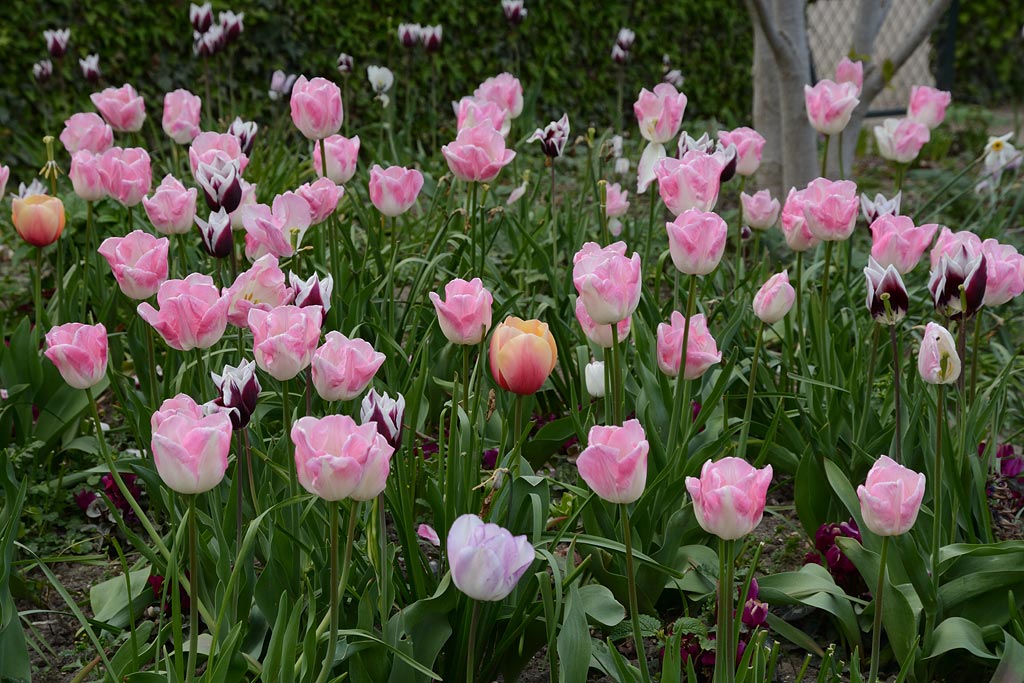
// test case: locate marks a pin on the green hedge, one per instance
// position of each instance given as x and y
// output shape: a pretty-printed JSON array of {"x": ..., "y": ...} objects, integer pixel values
[{"x": 989, "y": 51}]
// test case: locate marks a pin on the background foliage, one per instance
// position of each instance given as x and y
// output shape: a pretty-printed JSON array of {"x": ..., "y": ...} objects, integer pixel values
[{"x": 988, "y": 52}]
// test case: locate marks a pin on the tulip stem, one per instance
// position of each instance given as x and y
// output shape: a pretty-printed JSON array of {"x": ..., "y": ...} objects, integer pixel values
[
  {"x": 616, "y": 376},
  {"x": 86, "y": 258},
  {"x": 876, "y": 631},
  {"x": 382, "y": 550},
  {"x": 650, "y": 229},
  {"x": 682, "y": 384},
  {"x": 152, "y": 366},
  {"x": 799, "y": 294},
  {"x": 725, "y": 651},
  {"x": 897, "y": 394},
  {"x": 248, "y": 467},
  {"x": 824, "y": 158},
  {"x": 937, "y": 488},
  {"x": 825, "y": 280},
  {"x": 974, "y": 355},
  {"x": 200, "y": 375},
  {"x": 193, "y": 577},
  {"x": 634, "y": 612},
  {"x": 741, "y": 451},
  {"x": 471, "y": 651},
  {"x": 872, "y": 358},
  {"x": 37, "y": 290},
  {"x": 331, "y": 224},
  {"x": 739, "y": 237}
]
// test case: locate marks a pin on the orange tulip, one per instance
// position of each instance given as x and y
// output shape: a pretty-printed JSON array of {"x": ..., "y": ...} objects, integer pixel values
[
  {"x": 522, "y": 355},
  {"x": 38, "y": 218}
]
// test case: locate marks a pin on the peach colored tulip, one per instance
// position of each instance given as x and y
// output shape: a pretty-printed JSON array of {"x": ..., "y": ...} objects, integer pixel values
[
  {"x": 465, "y": 313},
  {"x": 891, "y": 497},
  {"x": 394, "y": 190},
  {"x": 336, "y": 459},
  {"x": 192, "y": 314},
  {"x": 123, "y": 108},
  {"x": 477, "y": 154},
  {"x": 190, "y": 449},
  {"x": 614, "y": 463},
  {"x": 86, "y": 131},
  {"x": 172, "y": 208},
  {"x": 138, "y": 261},
  {"x": 522, "y": 355},
  {"x": 342, "y": 155},
  {"x": 38, "y": 219},
  {"x": 729, "y": 497},
  {"x": 284, "y": 338},
  {"x": 343, "y": 367},
  {"x": 696, "y": 241},
  {"x": 79, "y": 352},
  {"x": 701, "y": 350},
  {"x": 316, "y": 107}
]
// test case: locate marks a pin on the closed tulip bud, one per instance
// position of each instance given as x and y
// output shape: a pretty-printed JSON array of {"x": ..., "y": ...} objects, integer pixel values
[
  {"x": 336, "y": 459},
  {"x": 887, "y": 299},
  {"x": 901, "y": 140},
  {"x": 126, "y": 174},
  {"x": 848, "y": 71},
  {"x": 38, "y": 219},
  {"x": 465, "y": 312},
  {"x": 794, "y": 225},
  {"x": 504, "y": 90},
  {"x": 190, "y": 449},
  {"x": 749, "y": 145},
  {"x": 342, "y": 155},
  {"x": 830, "y": 208},
  {"x": 880, "y": 206},
  {"x": 276, "y": 230},
  {"x": 261, "y": 287},
  {"x": 233, "y": 24},
  {"x": 607, "y": 281},
  {"x": 830, "y": 105},
  {"x": 755, "y": 613},
  {"x": 57, "y": 41},
  {"x": 614, "y": 463},
  {"x": 773, "y": 301},
  {"x": 216, "y": 148},
  {"x": 210, "y": 42},
  {"x": 928, "y": 105},
  {"x": 616, "y": 202},
  {"x": 729, "y": 497},
  {"x": 959, "y": 282},
  {"x": 891, "y": 497},
  {"x": 619, "y": 56},
  {"x": 625, "y": 38},
  {"x": 181, "y": 116},
  {"x": 313, "y": 291},
  {"x": 593, "y": 375},
  {"x": 316, "y": 107},
  {"x": 285, "y": 338},
  {"x": 138, "y": 261},
  {"x": 221, "y": 184},
  {"x": 322, "y": 196},
  {"x": 408, "y": 35},
  {"x": 692, "y": 182},
  {"x": 85, "y": 176},
  {"x": 478, "y": 153},
  {"x": 79, "y": 352},
  {"x": 1005, "y": 276},
  {"x": 937, "y": 359},
  {"x": 660, "y": 113},
  {"x": 552, "y": 137},
  {"x": 522, "y": 355},
  {"x": 394, "y": 190},
  {"x": 687, "y": 144},
  {"x": 345, "y": 64},
  {"x": 897, "y": 242},
  {"x": 217, "y": 238},
  {"x": 172, "y": 208},
  {"x": 514, "y": 10},
  {"x": 281, "y": 85},
  {"x": 696, "y": 241},
  {"x": 600, "y": 334},
  {"x": 760, "y": 210},
  {"x": 487, "y": 561},
  {"x": 86, "y": 131},
  {"x": 123, "y": 108},
  {"x": 430, "y": 36},
  {"x": 343, "y": 367},
  {"x": 701, "y": 349},
  {"x": 42, "y": 70},
  {"x": 239, "y": 389},
  {"x": 386, "y": 413},
  {"x": 245, "y": 131},
  {"x": 192, "y": 314},
  {"x": 200, "y": 16},
  {"x": 90, "y": 65}
]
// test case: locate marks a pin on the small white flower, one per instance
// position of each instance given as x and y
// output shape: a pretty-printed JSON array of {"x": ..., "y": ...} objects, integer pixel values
[{"x": 381, "y": 78}]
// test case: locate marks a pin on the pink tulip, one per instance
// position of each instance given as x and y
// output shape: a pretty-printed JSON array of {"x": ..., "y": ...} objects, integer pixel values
[
  {"x": 773, "y": 301},
  {"x": 949, "y": 243},
  {"x": 848, "y": 71},
  {"x": 830, "y": 208},
  {"x": 794, "y": 225},
  {"x": 760, "y": 210},
  {"x": 285, "y": 338},
  {"x": 79, "y": 352},
  {"x": 126, "y": 174},
  {"x": 322, "y": 196},
  {"x": 269, "y": 230},
  {"x": 607, "y": 281},
  {"x": 172, "y": 208},
  {"x": 261, "y": 287},
  {"x": 503, "y": 90},
  {"x": 477, "y": 154},
  {"x": 600, "y": 334},
  {"x": 749, "y": 144},
  {"x": 343, "y": 367},
  {"x": 394, "y": 190},
  {"x": 830, "y": 105},
  {"x": 928, "y": 105},
  {"x": 86, "y": 131},
  {"x": 427, "y": 533},
  {"x": 616, "y": 202},
  {"x": 138, "y": 261},
  {"x": 342, "y": 155},
  {"x": 181, "y": 116},
  {"x": 729, "y": 497},
  {"x": 316, "y": 107},
  {"x": 937, "y": 359},
  {"x": 336, "y": 459},
  {"x": 5, "y": 175},
  {"x": 85, "y": 175},
  {"x": 190, "y": 449},
  {"x": 701, "y": 350},
  {"x": 895, "y": 241},
  {"x": 522, "y": 355},
  {"x": 1005, "y": 276},
  {"x": 486, "y": 560},
  {"x": 689, "y": 183},
  {"x": 215, "y": 148},
  {"x": 470, "y": 112},
  {"x": 696, "y": 241},
  {"x": 192, "y": 315},
  {"x": 891, "y": 497},
  {"x": 659, "y": 113},
  {"x": 901, "y": 140},
  {"x": 123, "y": 108},
  {"x": 465, "y": 313},
  {"x": 38, "y": 219},
  {"x": 614, "y": 463}
]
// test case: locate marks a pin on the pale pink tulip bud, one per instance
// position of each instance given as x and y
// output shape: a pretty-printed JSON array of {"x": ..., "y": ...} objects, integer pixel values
[
  {"x": 312, "y": 291},
  {"x": 773, "y": 301},
  {"x": 477, "y": 154},
  {"x": 90, "y": 66},
  {"x": 192, "y": 314},
  {"x": 901, "y": 140},
  {"x": 126, "y": 174},
  {"x": 123, "y": 108},
  {"x": 659, "y": 113},
  {"x": 729, "y": 497},
  {"x": 696, "y": 241},
  {"x": 38, "y": 219},
  {"x": 57, "y": 41},
  {"x": 427, "y": 533},
  {"x": 239, "y": 389},
  {"x": 1005, "y": 277},
  {"x": 5, "y": 175},
  {"x": 928, "y": 105},
  {"x": 830, "y": 105},
  {"x": 281, "y": 85},
  {"x": 600, "y": 334},
  {"x": 522, "y": 355},
  {"x": 465, "y": 313},
  {"x": 487, "y": 561},
  {"x": 408, "y": 35},
  {"x": 749, "y": 144},
  {"x": 261, "y": 287},
  {"x": 181, "y": 116},
  {"x": 217, "y": 238},
  {"x": 430, "y": 36},
  {"x": 343, "y": 367},
  {"x": 345, "y": 64},
  {"x": 79, "y": 352},
  {"x": 961, "y": 271},
  {"x": 274, "y": 230},
  {"x": 607, "y": 281},
  {"x": 172, "y": 208},
  {"x": 285, "y": 338},
  {"x": 190, "y": 449},
  {"x": 138, "y": 261},
  {"x": 342, "y": 155},
  {"x": 504, "y": 90},
  {"x": 386, "y": 413},
  {"x": 245, "y": 131},
  {"x": 891, "y": 497},
  {"x": 336, "y": 459},
  {"x": 848, "y": 71},
  {"x": 692, "y": 182},
  {"x": 470, "y": 112},
  {"x": 701, "y": 350},
  {"x": 614, "y": 463},
  {"x": 394, "y": 190},
  {"x": 552, "y": 137},
  {"x": 86, "y": 131},
  {"x": 216, "y": 148},
  {"x": 322, "y": 196},
  {"x": 85, "y": 175},
  {"x": 896, "y": 241},
  {"x": 616, "y": 202},
  {"x": 221, "y": 184},
  {"x": 880, "y": 206},
  {"x": 760, "y": 210},
  {"x": 316, "y": 107},
  {"x": 830, "y": 208},
  {"x": 937, "y": 359},
  {"x": 200, "y": 16},
  {"x": 887, "y": 299},
  {"x": 514, "y": 10},
  {"x": 949, "y": 244}
]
